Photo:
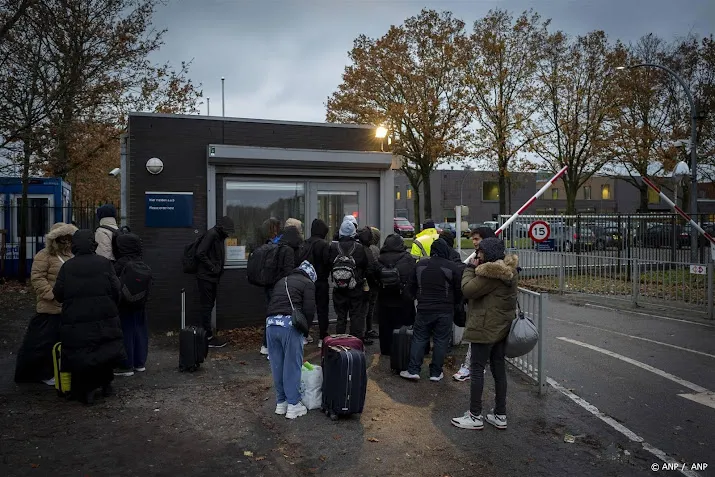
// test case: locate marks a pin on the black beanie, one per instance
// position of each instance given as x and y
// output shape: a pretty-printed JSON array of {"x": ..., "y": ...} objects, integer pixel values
[{"x": 493, "y": 249}]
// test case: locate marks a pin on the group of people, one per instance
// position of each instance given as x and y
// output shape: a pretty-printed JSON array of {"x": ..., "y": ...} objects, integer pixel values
[{"x": 82, "y": 303}]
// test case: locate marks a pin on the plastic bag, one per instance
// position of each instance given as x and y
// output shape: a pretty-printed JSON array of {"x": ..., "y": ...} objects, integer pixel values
[
  {"x": 311, "y": 386},
  {"x": 522, "y": 338}
]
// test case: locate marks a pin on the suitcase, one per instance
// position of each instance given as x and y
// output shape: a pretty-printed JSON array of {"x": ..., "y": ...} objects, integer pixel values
[
  {"x": 349, "y": 341},
  {"x": 193, "y": 346},
  {"x": 400, "y": 349},
  {"x": 344, "y": 381},
  {"x": 63, "y": 379}
]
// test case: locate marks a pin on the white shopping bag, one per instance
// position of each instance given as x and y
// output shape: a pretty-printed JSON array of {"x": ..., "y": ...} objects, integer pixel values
[
  {"x": 458, "y": 333},
  {"x": 311, "y": 387}
]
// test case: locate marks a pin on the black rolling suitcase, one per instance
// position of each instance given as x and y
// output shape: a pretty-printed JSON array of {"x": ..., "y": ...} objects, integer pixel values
[
  {"x": 400, "y": 349},
  {"x": 344, "y": 381},
  {"x": 193, "y": 346}
]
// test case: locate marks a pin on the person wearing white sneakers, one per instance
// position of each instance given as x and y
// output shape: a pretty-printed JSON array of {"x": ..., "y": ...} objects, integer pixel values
[
  {"x": 285, "y": 343},
  {"x": 490, "y": 285},
  {"x": 478, "y": 234}
]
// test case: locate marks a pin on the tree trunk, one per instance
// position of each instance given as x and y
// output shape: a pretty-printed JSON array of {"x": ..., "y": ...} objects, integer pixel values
[
  {"x": 570, "y": 200},
  {"x": 643, "y": 189},
  {"x": 508, "y": 183},
  {"x": 416, "y": 203},
  {"x": 428, "y": 196},
  {"x": 22, "y": 253},
  {"x": 502, "y": 191}
]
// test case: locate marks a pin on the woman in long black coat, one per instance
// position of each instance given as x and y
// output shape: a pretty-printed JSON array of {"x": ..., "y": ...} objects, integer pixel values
[{"x": 91, "y": 333}]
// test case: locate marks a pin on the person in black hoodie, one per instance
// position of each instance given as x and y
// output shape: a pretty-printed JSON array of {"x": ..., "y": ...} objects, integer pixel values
[
  {"x": 132, "y": 316},
  {"x": 364, "y": 237},
  {"x": 91, "y": 333},
  {"x": 316, "y": 250},
  {"x": 348, "y": 302},
  {"x": 211, "y": 256},
  {"x": 395, "y": 305},
  {"x": 460, "y": 312},
  {"x": 290, "y": 237},
  {"x": 437, "y": 285}
]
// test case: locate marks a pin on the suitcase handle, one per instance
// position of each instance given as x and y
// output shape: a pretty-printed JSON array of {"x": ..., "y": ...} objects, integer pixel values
[{"x": 183, "y": 308}]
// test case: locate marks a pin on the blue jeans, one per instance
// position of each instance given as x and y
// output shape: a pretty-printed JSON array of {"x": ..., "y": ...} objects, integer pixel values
[
  {"x": 136, "y": 338},
  {"x": 437, "y": 325},
  {"x": 285, "y": 350}
]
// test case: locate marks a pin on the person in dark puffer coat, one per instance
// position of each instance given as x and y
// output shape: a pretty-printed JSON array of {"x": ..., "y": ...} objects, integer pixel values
[
  {"x": 395, "y": 307},
  {"x": 132, "y": 316},
  {"x": 91, "y": 334}
]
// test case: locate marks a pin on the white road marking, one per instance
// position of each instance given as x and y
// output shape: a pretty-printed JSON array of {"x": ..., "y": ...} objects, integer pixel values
[
  {"x": 628, "y": 312},
  {"x": 706, "y": 399},
  {"x": 635, "y": 337},
  {"x": 619, "y": 427},
  {"x": 659, "y": 372}
]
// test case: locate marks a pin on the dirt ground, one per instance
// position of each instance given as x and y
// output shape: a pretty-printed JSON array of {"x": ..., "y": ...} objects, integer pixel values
[{"x": 220, "y": 421}]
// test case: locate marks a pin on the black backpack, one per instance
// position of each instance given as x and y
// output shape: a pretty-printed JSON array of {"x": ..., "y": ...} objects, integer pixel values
[
  {"x": 188, "y": 260},
  {"x": 116, "y": 233},
  {"x": 344, "y": 266},
  {"x": 135, "y": 279},
  {"x": 262, "y": 268},
  {"x": 390, "y": 277},
  {"x": 305, "y": 252}
]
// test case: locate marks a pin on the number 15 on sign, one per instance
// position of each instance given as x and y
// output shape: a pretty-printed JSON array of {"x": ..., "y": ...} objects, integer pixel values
[{"x": 539, "y": 231}]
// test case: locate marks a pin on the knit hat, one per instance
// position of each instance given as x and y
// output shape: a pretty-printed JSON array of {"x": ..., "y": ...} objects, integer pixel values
[
  {"x": 309, "y": 270},
  {"x": 347, "y": 229},
  {"x": 493, "y": 249},
  {"x": 107, "y": 210}
]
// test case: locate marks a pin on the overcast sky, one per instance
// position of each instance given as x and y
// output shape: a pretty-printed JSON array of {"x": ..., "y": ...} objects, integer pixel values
[{"x": 283, "y": 58}]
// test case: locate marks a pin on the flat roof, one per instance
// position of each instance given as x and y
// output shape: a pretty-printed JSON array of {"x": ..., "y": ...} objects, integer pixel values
[{"x": 251, "y": 120}]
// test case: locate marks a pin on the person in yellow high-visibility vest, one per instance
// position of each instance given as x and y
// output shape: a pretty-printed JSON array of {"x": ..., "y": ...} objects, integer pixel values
[{"x": 422, "y": 244}]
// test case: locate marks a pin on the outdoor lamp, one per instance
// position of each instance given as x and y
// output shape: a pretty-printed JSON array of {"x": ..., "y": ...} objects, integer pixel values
[
  {"x": 154, "y": 165},
  {"x": 681, "y": 171},
  {"x": 381, "y": 132}
]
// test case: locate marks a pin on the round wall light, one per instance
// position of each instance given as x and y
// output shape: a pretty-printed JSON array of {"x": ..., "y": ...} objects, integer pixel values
[{"x": 154, "y": 165}]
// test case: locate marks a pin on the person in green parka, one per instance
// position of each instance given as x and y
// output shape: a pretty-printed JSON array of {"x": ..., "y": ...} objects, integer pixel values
[{"x": 490, "y": 284}]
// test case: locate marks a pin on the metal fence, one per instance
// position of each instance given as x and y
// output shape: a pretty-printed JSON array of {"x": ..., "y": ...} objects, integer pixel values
[
  {"x": 40, "y": 218},
  {"x": 535, "y": 307},
  {"x": 657, "y": 237}
]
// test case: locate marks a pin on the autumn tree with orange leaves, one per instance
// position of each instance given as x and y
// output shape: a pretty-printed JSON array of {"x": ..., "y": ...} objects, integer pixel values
[{"x": 412, "y": 81}]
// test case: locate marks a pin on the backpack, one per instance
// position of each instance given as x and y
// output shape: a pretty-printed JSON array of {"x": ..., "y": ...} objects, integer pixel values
[
  {"x": 135, "y": 281},
  {"x": 116, "y": 233},
  {"x": 344, "y": 267},
  {"x": 390, "y": 277},
  {"x": 189, "y": 263},
  {"x": 305, "y": 252},
  {"x": 263, "y": 269}
]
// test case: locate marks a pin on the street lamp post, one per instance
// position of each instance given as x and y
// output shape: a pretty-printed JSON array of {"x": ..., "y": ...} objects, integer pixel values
[
  {"x": 693, "y": 151},
  {"x": 223, "y": 98}
]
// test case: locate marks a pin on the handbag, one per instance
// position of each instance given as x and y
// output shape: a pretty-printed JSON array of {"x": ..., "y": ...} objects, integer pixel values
[
  {"x": 522, "y": 337},
  {"x": 297, "y": 318}
]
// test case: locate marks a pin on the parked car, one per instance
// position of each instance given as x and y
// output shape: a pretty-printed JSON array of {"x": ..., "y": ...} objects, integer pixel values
[
  {"x": 451, "y": 226},
  {"x": 607, "y": 237},
  {"x": 661, "y": 235},
  {"x": 684, "y": 238},
  {"x": 403, "y": 227},
  {"x": 568, "y": 238},
  {"x": 492, "y": 224}
]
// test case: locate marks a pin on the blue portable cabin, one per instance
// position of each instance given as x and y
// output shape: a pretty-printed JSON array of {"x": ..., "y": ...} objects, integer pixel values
[{"x": 49, "y": 201}]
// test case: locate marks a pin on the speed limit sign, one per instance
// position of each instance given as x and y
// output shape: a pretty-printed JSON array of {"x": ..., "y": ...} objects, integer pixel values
[{"x": 539, "y": 231}]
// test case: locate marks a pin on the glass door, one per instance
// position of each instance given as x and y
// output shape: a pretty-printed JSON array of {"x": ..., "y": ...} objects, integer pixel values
[{"x": 331, "y": 201}]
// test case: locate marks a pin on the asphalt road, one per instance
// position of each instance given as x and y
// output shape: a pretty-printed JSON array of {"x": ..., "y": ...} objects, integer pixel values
[{"x": 681, "y": 357}]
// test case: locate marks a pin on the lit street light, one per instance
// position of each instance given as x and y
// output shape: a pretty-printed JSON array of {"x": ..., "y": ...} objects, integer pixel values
[
  {"x": 381, "y": 133},
  {"x": 693, "y": 152}
]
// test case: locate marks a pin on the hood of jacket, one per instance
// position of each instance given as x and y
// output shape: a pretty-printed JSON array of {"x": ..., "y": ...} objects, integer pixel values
[
  {"x": 440, "y": 249},
  {"x": 393, "y": 243},
  {"x": 291, "y": 237},
  {"x": 106, "y": 211},
  {"x": 307, "y": 268},
  {"x": 319, "y": 229},
  {"x": 129, "y": 245},
  {"x": 352, "y": 219},
  {"x": 376, "y": 235},
  {"x": 447, "y": 236},
  {"x": 504, "y": 270},
  {"x": 364, "y": 235},
  {"x": 60, "y": 229},
  {"x": 225, "y": 226},
  {"x": 83, "y": 242}
]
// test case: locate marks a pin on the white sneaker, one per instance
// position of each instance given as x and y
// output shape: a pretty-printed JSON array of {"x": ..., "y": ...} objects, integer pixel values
[
  {"x": 49, "y": 382},
  {"x": 309, "y": 339},
  {"x": 264, "y": 351},
  {"x": 462, "y": 375},
  {"x": 140, "y": 369},
  {"x": 468, "y": 421},
  {"x": 282, "y": 408},
  {"x": 408, "y": 375},
  {"x": 497, "y": 420},
  {"x": 436, "y": 379},
  {"x": 296, "y": 410}
]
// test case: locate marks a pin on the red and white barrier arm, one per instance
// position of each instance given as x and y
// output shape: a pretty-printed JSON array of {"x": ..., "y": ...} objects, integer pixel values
[
  {"x": 679, "y": 210},
  {"x": 531, "y": 201}
]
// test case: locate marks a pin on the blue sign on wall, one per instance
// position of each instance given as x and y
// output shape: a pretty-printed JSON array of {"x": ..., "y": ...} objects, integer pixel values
[
  {"x": 546, "y": 246},
  {"x": 169, "y": 209}
]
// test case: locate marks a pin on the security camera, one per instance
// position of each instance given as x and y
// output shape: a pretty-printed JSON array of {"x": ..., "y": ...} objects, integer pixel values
[{"x": 115, "y": 172}]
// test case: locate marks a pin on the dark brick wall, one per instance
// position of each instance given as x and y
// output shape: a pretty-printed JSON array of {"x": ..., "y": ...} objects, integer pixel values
[{"x": 180, "y": 142}]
